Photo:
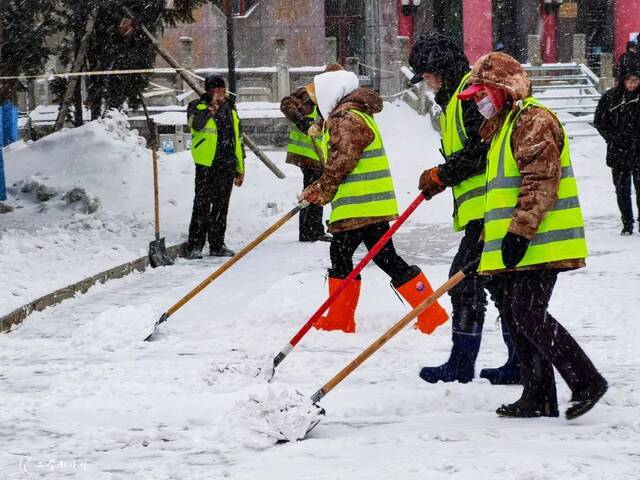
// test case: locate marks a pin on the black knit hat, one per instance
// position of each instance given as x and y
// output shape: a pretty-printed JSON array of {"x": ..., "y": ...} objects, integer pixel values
[
  {"x": 630, "y": 67},
  {"x": 436, "y": 53},
  {"x": 213, "y": 81}
]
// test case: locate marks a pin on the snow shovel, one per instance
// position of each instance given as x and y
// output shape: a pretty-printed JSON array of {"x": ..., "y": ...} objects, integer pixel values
[
  {"x": 158, "y": 255},
  {"x": 227, "y": 265},
  {"x": 384, "y": 338},
  {"x": 277, "y": 360}
]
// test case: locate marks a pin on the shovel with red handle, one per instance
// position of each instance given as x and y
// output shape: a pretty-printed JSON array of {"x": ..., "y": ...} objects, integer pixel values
[{"x": 277, "y": 360}]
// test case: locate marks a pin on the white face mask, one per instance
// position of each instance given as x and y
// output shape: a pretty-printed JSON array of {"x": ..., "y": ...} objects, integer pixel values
[{"x": 487, "y": 108}]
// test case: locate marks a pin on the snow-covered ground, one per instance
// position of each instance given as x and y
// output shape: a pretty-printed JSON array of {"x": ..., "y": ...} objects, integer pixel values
[{"x": 83, "y": 397}]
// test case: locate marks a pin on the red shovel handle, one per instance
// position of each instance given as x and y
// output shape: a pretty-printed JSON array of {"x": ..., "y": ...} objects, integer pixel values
[{"x": 350, "y": 278}]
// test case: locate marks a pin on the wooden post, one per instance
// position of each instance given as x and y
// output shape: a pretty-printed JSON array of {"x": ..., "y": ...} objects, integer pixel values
[
  {"x": 534, "y": 50},
  {"x": 331, "y": 50},
  {"x": 283, "y": 85},
  {"x": 580, "y": 48},
  {"x": 606, "y": 72}
]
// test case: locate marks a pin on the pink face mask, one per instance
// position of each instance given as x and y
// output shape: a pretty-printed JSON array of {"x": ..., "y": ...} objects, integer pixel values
[
  {"x": 486, "y": 108},
  {"x": 490, "y": 105}
]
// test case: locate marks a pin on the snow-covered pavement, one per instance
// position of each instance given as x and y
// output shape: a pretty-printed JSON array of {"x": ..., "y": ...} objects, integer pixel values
[{"x": 83, "y": 397}]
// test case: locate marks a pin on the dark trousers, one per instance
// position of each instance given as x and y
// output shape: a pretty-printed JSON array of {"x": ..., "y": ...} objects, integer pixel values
[
  {"x": 622, "y": 181},
  {"x": 210, "y": 206},
  {"x": 468, "y": 298},
  {"x": 541, "y": 342},
  {"x": 310, "y": 218},
  {"x": 344, "y": 245}
]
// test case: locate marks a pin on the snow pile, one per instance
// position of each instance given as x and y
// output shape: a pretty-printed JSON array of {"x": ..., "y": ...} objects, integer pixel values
[
  {"x": 264, "y": 420},
  {"x": 102, "y": 157},
  {"x": 115, "y": 329},
  {"x": 83, "y": 201}
]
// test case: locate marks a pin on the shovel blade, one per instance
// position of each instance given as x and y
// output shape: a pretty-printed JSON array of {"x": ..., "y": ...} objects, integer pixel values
[
  {"x": 158, "y": 256},
  {"x": 321, "y": 412}
]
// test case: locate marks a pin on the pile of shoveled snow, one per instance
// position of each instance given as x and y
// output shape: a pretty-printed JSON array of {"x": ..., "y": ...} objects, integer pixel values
[
  {"x": 266, "y": 419},
  {"x": 104, "y": 158},
  {"x": 83, "y": 201},
  {"x": 115, "y": 329}
]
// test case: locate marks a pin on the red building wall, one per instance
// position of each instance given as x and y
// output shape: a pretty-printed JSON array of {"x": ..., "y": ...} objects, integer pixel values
[
  {"x": 627, "y": 20},
  {"x": 477, "y": 24}
]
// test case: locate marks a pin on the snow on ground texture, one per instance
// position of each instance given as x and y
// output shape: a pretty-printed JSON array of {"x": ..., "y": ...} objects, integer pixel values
[{"x": 84, "y": 397}]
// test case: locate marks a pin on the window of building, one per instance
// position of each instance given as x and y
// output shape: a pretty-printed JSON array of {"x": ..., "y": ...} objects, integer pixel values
[{"x": 345, "y": 20}]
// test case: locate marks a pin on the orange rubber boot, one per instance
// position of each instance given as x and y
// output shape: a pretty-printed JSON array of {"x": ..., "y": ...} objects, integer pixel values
[
  {"x": 342, "y": 311},
  {"x": 415, "y": 291}
]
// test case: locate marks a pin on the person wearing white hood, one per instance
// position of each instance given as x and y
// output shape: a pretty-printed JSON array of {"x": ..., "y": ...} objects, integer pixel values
[{"x": 357, "y": 181}]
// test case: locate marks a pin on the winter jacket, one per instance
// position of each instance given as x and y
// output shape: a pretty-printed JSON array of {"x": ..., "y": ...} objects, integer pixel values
[
  {"x": 537, "y": 141},
  {"x": 617, "y": 118},
  {"x": 296, "y": 107},
  {"x": 348, "y": 137}
]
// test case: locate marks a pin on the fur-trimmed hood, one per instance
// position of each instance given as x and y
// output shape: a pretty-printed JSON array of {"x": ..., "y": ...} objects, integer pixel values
[{"x": 502, "y": 71}]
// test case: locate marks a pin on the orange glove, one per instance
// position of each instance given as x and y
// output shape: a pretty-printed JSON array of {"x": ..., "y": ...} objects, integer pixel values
[{"x": 430, "y": 183}]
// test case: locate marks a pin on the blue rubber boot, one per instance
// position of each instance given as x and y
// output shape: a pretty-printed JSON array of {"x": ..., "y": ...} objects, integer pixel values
[
  {"x": 509, "y": 373},
  {"x": 460, "y": 367}
]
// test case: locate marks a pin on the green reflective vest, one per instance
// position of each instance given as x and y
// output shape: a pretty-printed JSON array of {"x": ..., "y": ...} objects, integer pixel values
[
  {"x": 368, "y": 190},
  {"x": 300, "y": 143},
  {"x": 468, "y": 195},
  {"x": 560, "y": 236},
  {"x": 204, "y": 143}
]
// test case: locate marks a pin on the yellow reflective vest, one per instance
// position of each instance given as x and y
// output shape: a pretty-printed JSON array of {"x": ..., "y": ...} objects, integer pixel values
[
  {"x": 560, "y": 236},
  {"x": 300, "y": 143},
  {"x": 204, "y": 143},
  {"x": 468, "y": 195},
  {"x": 368, "y": 190}
]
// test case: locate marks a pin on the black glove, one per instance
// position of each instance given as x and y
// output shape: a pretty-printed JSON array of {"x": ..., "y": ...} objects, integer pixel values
[
  {"x": 513, "y": 249},
  {"x": 304, "y": 124}
]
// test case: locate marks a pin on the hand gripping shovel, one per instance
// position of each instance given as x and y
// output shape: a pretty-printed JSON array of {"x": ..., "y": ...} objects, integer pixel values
[
  {"x": 277, "y": 360},
  {"x": 158, "y": 256},
  {"x": 388, "y": 335},
  {"x": 227, "y": 265}
]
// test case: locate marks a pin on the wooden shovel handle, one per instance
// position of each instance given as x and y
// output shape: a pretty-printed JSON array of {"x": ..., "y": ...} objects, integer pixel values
[
  {"x": 236, "y": 258},
  {"x": 389, "y": 334},
  {"x": 156, "y": 194}
]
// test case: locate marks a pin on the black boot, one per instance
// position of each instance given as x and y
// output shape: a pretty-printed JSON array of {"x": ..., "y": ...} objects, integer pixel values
[
  {"x": 627, "y": 229},
  {"x": 222, "y": 252},
  {"x": 193, "y": 254},
  {"x": 466, "y": 337},
  {"x": 585, "y": 400},
  {"x": 509, "y": 373},
  {"x": 461, "y": 363},
  {"x": 525, "y": 409}
]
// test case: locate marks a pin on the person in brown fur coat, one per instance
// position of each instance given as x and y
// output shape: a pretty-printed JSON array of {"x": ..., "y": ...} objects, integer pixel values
[
  {"x": 301, "y": 111},
  {"x": 533, "y": 230},
  {"x": 357, "y": 181}
]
